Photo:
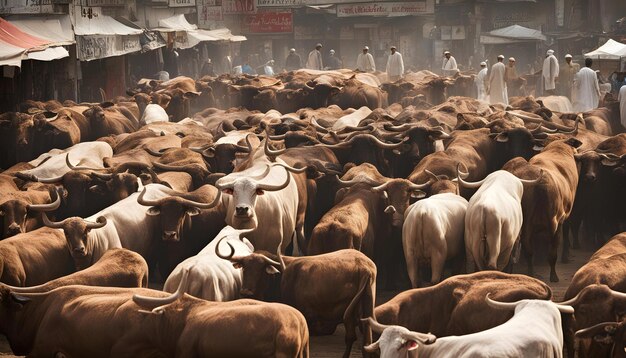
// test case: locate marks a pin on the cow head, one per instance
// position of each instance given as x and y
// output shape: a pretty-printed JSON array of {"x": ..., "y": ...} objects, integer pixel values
[
  {"x": 96, "y": 113},
  {"x": 291, "y": 100},
  {"x": 178, "y": 106},
  {"x": 76, "y": 232},
  {"x": 14, "y": 213},
  {"x": 591, "y": 165},
  {"x": 395, "y": 341},
  {"x": 175, "y": 213},
  {"x": 516, "y": 142},
  {"x": 440, "y": 184},
  {"x": 611, "y": 335},
  {"x": 597, "y": 303},
  {"x": 221, "y": 156},
  {"x": 399, "y": 193},
  {"x": 420, "y": 143}
]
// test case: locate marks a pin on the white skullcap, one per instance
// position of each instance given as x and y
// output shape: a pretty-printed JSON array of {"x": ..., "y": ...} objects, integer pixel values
[
  {"x": 393, "y": 47},
  {"x": 550, "y": 52},
  {"x": 512, "y": 59},
  {"x": 292, "y": 50},
  {"x": 366, "y": 48},
  {"x": 483, "y": 63},
  {"x": 501, "y": 56},
  {"x": 332, "y": 51},
  {"x": 568, "y": 56},
  {"x": 319, "y": 45},
  {"x": 446, "y": 53}
]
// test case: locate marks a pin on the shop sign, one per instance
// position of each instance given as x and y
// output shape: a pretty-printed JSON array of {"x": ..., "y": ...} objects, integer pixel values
[
  {"x": 26, "y": 7},
  {"x": 238, "y": 7},
  {"x": 386, "y": 9},
  {"x": 93, "y": 47},
  {"x": 208, "y": 15},
  {"x": 279, "y": 3},
  {"x": 268, "y": 22},
  {"x": 452, "y": 32},
  {"x": 106, "y": 2},
  {"x": 181, "y": 3}
]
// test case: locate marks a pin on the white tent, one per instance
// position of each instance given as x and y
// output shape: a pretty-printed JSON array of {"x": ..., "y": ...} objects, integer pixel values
[
  {"x": 511, "y": 34},
  {"x": 194, "y": 35},
  {"x": 611, "y": 50}
]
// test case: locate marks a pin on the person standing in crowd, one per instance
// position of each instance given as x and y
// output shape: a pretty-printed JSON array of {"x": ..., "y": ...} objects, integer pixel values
[
  {"x": 365, "y": 61},
  {"x": 510, "y": 76},
  {"x": 479, "y": 80},
  {"x": 497, "y": 86},
  {"x": 314, "y": 61},
  {"x": 293, "y": 61},
  {"x": 334, "y": 63},
  {"x": 268, "y": 68},
  {"x": 247, "y": 69},
  {"x": 449, "y": 66},
  {"x": 170, "y": 62},
  {"x": 550, "y": 72},
  {"x": 621, "y": 97},
  {"x": 395, "y": 65},
  {"x": 567, "y": 73},
  {"x": 587, "y": 88},
  {"x": 207, "y": 69}
]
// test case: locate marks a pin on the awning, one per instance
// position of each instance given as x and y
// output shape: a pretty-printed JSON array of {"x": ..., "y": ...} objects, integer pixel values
[
  {"x": 103, "y": 36},
  {"x": 17, "y": 45},
  {"x": 56, "y": 29},
  {"x": 611, "y": 50},
  {"x": 188, "y": 35},
  {"x": 511, "y": 34},
  {"x": 149, "y": 40}
]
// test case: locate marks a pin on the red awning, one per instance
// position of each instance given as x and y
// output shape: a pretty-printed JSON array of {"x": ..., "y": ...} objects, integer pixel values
[
  {"x": 17, "y": 45},
  {"x": 10, "y": 34}
]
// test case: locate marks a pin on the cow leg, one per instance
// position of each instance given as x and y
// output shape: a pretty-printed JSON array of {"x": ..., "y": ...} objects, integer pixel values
[
  {"x": 568, "y": 335},
  {"x": 437, "y": 262},
  {"x": 565, "y": 259},
  {"x": 554, "y": 249},
  {"x": 413, "y": 269},
  {"x": 350, "y": 337}
]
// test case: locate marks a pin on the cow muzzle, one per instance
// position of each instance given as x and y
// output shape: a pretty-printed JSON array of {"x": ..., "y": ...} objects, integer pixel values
[
  {"x": 170, "y": 236},
  {"x": 79, "y": 252},
  {"x": 390, "y": 209},
  {"x": 14, "y": 229},
  {"x": 243, "y": 211}
]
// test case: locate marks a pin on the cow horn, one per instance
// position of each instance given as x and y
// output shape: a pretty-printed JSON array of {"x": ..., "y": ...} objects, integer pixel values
[
  {"x": 52, "y": 224},
  {"x": 381, "y": 187},
  {"x": 538, "y": 130},
  {"x": 532, "y": 181},
  {"x": 217, "y": 251},
  {"x": 424, "y": 338},
  {"x": 432, "y": 175},
  {"x": 290, "y": 168},
  {"x": 157, "y": 304},
  {"x": 29, "y": 177},
  {"x": 236, "y": 175},
  {"x": 199, "y": 205},
  {"x": 100, "y": 222},
  {"x": 571, "y": 301},
  {"x": 374, "y": 325},
  {"x": 401, "y": 128},
  {"x": 386, "y": 145},
  {"x": 537, "y": 120},
  {"x": 270, "y": 261},
  {"x": 69, "y": 165},
  {"x": 356, "y": 129},
  {"x": 154, "y": 153},
  {"x": 145, "y": 202},
  {"x": 467, "y": 184},
  {"x": 500, "y": 305},
  {"x": 47, "y": 207},
  {"x": 618, "y": 295},
  {"x": 269, "y": 187},
  {"x": 605, "y": 326},
  {"x": 128, "y": 165},
  {"x": 353, "y": 181},
  {"x": 317, "y": 126},
  {"x": 270, "y": 153},
  {"x": 103, "y": 176},
  {"x": 277, "y": 137}
]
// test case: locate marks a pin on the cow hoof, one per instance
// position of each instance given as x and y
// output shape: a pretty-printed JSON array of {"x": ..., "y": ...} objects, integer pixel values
[{"x": 554, "y": 277}]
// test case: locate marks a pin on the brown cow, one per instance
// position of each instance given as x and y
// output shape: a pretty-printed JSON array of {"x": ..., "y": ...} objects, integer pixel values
[
  {"x": 611, "y": 335},
  {"x": 186, "y": 326},
  {"x": 548, "y": 204},
  {"x": 325, "y": 300},
  {"x": 457, "y": 306}
]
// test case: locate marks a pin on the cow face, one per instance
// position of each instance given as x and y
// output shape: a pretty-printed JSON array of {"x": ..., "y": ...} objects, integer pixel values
[
  {"x": 399, "y": 193},
  {"x": 589, "y": 166},
  {"x": 517, "y": 142},
  {"x": 76, "y": 192},
  {"x": 174, "y": 217},
  {"x": 14, "y": 214},
  {"x": 119, "y": 186},
  {"x": 245, "y": 193},
  {"x": 596, "y": 304},
  {"x": 221, "y": 158},
  {"x": 258, "y": 273},
  {"x": 610, "y": 336},
  {"x": 95, "y": 113},
  {"x": 77, "y": 234}
]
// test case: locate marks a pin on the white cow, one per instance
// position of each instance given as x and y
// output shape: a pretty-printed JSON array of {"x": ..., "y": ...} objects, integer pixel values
[
  {"x": 263, "y": 196},
  {"x": 534, "y": 331},
  {"x": 494, "y": 219},
  {"x": 154, "y": 113},
  {"x": 53, "y": 163},
  {"x": 211, "y": 277},
  {"x": 123, "y": 224},
  {"x": 433, "y": 230},
  {"x": 352, "y": 119}
]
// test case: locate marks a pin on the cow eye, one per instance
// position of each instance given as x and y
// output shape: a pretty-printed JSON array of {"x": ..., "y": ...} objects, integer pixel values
[
  {"x": 260, "y": 192},
  {"x": 228, "y": 191}
]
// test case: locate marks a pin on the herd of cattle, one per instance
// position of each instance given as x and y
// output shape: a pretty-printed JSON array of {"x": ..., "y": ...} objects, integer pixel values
[{"x": 309, "y": 190}]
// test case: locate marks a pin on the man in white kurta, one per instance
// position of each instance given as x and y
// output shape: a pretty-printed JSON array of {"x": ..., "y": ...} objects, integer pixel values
[
  {"x": 449, "y": 66},
  {"x": 365, "y": 61},
  {"x": 479, "y": 81},
  {"x": 314, "y": 61},
  {"x": 395, "y": 65},
  {"x": 550, "y": 72},
  {"x": 586, "y": 88},
  {"x": 621, "y": 97},
  {"x": 497, "y": 85}
]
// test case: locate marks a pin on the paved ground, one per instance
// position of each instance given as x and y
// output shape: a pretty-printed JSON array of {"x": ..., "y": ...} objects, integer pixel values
[{"x": 333, "y": 346}]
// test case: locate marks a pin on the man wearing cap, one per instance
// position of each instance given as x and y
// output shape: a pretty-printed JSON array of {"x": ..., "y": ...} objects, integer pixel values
[
  {"x": 365, "y": 61},
  {"x": 511, "y": 77},
  {"x": 449, "y": 66},
  {"x": 395, "y": 65},
  {"x": 586, "y": 88},
  {"x": 314, "y": 61},
  {"x": 550, "y": 72},
  {"x": 293, "y": 61},
  {"x": 497, "y": 86},
  {"x": 479, "y": 81},
  {"x": 334, "y": 63},
  {"x": 566, "y": 76}
]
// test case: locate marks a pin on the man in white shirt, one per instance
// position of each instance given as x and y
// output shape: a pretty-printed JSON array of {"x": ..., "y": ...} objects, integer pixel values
[
  {"x": 395, "y": 65},
  {"x": 314, "y": 61},
  {"x": 497, "y": 85},
  {"x": 479, "y": 80},
  {"x": 449, "y": 66},
  {"x": 365, "y": 61},
  {"x": 550, "y": 72},
  {"x": 621, "y": 97},
  {"x": 587, "y": 89}
]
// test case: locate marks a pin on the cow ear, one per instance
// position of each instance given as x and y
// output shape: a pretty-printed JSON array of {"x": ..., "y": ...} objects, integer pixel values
[
  {"x": 191, "y": 94},
  {"x": 209, "y": 152},
  {"x": 64, "y": 193},
  {"x": 153, "y": 211},
  {"x": 418, "y": 194},
  {"x": 411, "y": 345},
  {"x": 271, "y": 270},
  {"x": 574, "y": 142},
  {"x": 193, "y": 211},
  {"x": 260, "y": 192}
]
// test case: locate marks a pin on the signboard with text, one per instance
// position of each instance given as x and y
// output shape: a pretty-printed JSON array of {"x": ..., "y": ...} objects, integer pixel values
[
  {"x": 208, "y": 15},
  {"x": 181, "y": 3},
  {"x": 93, "y": 47},
  {"x": 106, "y": 2},
  {"x": 238, "y": 7},
  {"x": 268, "y": 22},
  {"x": 26, "y": 7},
  {"x": 426, "y": 7}
]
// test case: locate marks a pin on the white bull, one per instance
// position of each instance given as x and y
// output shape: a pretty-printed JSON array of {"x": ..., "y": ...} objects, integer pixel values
[
  {"x": 210, "y": 276},
  {"x": 534, "y": 331},
  {"x": 53, "y": 163},
  {"x": 494, "y": 219},
  {"x": 154, "y": 113},
  {"x": 433, "y": 230}
]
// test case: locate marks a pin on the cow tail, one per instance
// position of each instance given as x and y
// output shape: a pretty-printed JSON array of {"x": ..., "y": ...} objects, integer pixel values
[
  {"x": 483, "y": 248},
  {"x": 363, "y": 284}
]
